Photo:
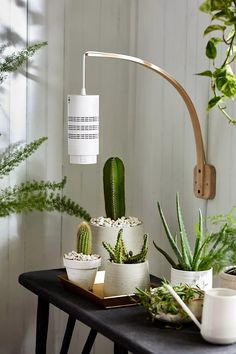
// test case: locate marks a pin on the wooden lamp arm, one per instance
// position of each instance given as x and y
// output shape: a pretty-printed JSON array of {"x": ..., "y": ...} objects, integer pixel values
[{"x": 204, "y": 174}]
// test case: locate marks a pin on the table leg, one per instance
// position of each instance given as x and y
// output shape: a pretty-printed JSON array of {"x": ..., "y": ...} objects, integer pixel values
[
  {"x": 68, "y": 334},
  {"x": 89, "y": 342},
  {"x": 42, "y": 326},
  {"x": 118, "y": 349}
]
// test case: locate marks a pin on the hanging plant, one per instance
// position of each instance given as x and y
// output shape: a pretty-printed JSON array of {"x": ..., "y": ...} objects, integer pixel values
[{"x": 222, "y": 33}]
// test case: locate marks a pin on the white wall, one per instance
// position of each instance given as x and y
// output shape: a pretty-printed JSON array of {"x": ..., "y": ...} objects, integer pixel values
[{"x": 143, "y": 120}]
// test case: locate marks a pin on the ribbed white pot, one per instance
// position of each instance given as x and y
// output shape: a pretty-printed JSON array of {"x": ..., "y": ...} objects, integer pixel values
[
  {"x": 227, "y": 280},
  {"x": 132, "y": 236},
  {"x": 82, "y": 273},
  {"x": 123, "y": 279},
  {"x": 202, "y": 279}
]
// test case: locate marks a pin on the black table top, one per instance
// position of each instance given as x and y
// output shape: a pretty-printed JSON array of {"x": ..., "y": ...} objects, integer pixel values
[{"x": 128, "y": 326}]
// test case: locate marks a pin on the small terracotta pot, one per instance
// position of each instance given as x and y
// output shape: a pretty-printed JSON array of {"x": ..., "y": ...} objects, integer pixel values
[{"x": 82, "y": 273}]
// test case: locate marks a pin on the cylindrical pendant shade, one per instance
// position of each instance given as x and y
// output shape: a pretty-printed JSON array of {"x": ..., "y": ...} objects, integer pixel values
[{"x": 83, "y": 128}]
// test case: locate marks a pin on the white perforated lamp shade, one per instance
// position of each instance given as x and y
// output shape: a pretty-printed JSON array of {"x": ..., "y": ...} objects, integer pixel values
[{"x": 83, "y": 128}]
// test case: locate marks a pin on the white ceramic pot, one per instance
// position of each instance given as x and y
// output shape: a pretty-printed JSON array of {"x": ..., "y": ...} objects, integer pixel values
[
  {"x": 132, "y": 236},
  {"x": 82, "y": 273},
  {"x": 202, "y": 279},
  {"x": 227, "y": 280},
  {"x": 123, "y": 279}
]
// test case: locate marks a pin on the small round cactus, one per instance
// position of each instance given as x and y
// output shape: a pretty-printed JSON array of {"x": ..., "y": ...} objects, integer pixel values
[{"x": 84, "y": 238}]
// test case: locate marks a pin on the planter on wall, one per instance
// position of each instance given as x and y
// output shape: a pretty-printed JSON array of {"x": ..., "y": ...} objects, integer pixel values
[
  {"x": 82, "y": 273},
  {"x": 123, "y": 279},
  {"x": 202, "y": 279},
  {"x": 132, "y": 236}
]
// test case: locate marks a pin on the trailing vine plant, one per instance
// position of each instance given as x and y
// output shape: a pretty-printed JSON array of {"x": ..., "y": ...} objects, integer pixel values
[
  {"x": 222, "y": 31},
  {"x": 29, "y": 195}
]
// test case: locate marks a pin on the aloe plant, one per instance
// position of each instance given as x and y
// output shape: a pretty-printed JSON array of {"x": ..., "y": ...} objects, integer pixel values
[
  {"x": 84, "y": 238},
  {"x": 119, "y": 253},
  {"x": 114, "y": 188},
  {"x": 211, "y": 250}
]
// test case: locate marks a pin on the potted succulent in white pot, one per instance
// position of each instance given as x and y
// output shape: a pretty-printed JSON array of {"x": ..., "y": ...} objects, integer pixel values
[
  {"x": 125, "y": 271},
  {"x": 107, "y": 228},
  {"x": 82, "y": 266},
  {"x": 212, "y": 252}
]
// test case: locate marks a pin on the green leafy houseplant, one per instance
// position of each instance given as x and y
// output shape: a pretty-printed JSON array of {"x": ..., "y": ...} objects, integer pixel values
[
  {"x": 119, "y": 254},
  {"x": 33, "y": 195},
  {"x": 161, "y": 305},
  {"x": 223, "y": 79},
  {"x": 211, "y": 250},
  {"x": 29, "y": 195},
  {"x": 12, "y": 62}
]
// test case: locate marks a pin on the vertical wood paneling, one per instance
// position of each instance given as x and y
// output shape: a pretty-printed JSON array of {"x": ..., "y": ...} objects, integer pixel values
[{"x": 143, "y": 120}]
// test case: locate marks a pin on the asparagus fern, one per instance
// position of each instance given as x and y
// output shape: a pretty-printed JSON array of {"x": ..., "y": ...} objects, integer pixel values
[{"x": 15, "y": 60}]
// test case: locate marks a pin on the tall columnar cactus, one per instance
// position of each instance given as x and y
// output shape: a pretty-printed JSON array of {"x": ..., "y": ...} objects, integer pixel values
[
  {"x": 84, "y": 238},
  {"x": 114, "y": 188},
  {"x": 119, "y": 254}
]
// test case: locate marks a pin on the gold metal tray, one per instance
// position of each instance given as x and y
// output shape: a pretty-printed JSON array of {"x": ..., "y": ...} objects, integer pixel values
[{"x": 96, "y": 294}]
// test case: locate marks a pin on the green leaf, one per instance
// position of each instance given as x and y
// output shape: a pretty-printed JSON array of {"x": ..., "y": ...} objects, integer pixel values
[
  {"x": 213, "y": 102},
  {"x": 169, "y": 235},
  {"x": 225, "y": 81},
  {"x": 186, "y": 250},
  {"x": 211, "y": 50},
  {"x": 212, "y": 28},
  {"x": 217, "y": 5},
  {"x": 220, "y": 15},
  {"x": 199, "y": 231},
  {"x": 205, "y": 73},
  {"x": 165, "y": 254},
  {"x": 205, "y": 6}
]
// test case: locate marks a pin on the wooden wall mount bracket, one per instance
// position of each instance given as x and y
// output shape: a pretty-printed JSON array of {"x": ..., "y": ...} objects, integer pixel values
[{"x": 204, "y": 184}]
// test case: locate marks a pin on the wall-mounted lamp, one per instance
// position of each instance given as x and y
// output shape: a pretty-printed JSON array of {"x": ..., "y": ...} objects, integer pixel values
[{"x": 83, "y": 127}]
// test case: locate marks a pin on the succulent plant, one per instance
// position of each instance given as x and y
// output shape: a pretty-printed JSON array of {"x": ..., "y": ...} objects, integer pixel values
[
  {"x": 114, "y": 188},
  {"x": 211, "y": 250},
  {"x": 119, "y": 254},
  {"x": 84, "y": 238}
]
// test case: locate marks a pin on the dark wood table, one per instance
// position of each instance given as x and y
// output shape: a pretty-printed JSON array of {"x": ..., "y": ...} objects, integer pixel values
[{"x": 128, "y": 327}]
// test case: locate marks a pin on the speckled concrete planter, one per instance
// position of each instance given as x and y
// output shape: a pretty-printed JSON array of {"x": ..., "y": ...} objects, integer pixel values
[{"x": 123, "y": 279}]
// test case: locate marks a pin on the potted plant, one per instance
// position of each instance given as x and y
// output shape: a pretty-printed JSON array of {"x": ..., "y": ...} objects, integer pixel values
[
  {"x": 107, "y": 228},
  {"x": 161, "y": 305},
  {"x": 82, "y": 266},
  {"x": 227, "y": 223},
  {"x": 125, "y": 271},
  {"x": 212, "y": 251},
  {"x": 222, "y": 31}
]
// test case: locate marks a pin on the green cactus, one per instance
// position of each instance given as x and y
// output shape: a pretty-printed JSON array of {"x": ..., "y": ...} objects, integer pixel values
[
  {"x": 84, "y": 238},
  {"x": 114, "y": 188},
  {"x": 119, "y": 254}
]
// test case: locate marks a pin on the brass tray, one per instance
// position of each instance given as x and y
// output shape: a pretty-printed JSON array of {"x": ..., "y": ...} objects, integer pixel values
[{"x": 96, "y": 294}]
